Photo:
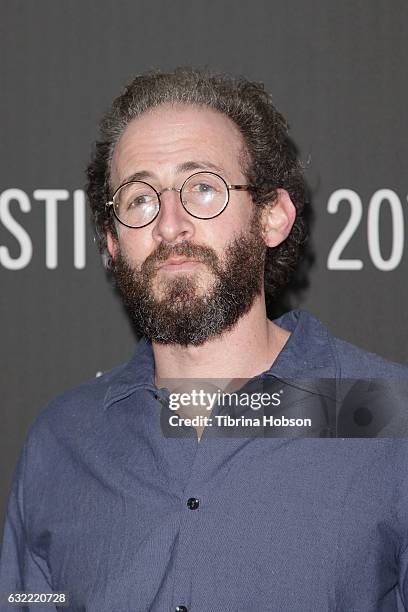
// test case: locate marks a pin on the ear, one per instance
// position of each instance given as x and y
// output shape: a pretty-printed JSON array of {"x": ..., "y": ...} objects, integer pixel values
[
  {"x": 112, "y": 244},
  {"x": 278, "y": 218}
]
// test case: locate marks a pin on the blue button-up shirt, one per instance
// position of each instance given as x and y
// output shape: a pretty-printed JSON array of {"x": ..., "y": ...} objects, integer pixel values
[{"x": 107, "y": 509}]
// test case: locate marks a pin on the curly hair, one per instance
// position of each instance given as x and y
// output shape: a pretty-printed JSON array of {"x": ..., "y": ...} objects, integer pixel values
[{"x": 271, "y": 161}]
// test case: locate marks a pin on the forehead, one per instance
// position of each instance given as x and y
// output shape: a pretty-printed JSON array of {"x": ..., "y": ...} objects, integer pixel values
[{"x": 166, "y": 137}]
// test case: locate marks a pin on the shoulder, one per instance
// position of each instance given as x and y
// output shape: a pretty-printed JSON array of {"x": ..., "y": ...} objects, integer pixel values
[
  {"x": 75, "y": 411},
  {"x": 355, "y": 362},
  {"x": 318, "y": 350}
]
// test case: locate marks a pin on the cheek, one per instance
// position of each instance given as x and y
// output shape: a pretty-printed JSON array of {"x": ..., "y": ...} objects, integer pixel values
[
  {"x": 234, "y": 221},
  {"x": 135, "y": 245}
]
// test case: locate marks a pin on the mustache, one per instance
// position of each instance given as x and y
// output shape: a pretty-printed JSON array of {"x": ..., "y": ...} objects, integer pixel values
[{"x": 198, "y": 252}]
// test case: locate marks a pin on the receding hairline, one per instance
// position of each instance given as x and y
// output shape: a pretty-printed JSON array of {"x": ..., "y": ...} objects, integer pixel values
[{"x": 244, "y": 157}]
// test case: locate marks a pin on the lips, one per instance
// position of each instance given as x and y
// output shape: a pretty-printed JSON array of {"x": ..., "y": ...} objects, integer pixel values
[{"x": 176, "y": 261}]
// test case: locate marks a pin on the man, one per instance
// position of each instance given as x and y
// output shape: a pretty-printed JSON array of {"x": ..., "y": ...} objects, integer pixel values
[{"x": 197, "y": 198}]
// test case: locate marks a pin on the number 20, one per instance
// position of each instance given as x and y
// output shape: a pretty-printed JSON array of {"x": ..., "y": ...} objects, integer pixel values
[{"x": 334, "y": 261}]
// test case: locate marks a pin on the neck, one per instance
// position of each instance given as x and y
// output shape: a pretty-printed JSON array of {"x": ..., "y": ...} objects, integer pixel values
[{"x": 245, "y": 351}]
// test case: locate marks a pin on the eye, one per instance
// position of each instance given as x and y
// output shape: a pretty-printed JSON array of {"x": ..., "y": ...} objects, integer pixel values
[
  {"x": 141, "y": 200},
  {"x": 204, "y": 188}
]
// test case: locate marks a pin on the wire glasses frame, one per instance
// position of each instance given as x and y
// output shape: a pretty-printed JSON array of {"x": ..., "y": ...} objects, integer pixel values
[{"x": 180, "y": 190}]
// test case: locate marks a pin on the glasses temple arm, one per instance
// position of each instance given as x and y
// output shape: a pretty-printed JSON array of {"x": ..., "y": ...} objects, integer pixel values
[{"x": 241, "y": 187}]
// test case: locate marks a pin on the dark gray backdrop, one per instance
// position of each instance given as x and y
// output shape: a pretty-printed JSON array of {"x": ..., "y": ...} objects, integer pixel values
[{"x": 336, "y": 69}]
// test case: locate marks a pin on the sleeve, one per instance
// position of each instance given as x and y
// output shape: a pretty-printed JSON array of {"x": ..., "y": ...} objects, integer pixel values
[{"x": 21, "y": 570}]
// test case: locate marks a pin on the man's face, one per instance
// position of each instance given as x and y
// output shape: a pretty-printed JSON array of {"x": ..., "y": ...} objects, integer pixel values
[{"x": 185, "y": 280}]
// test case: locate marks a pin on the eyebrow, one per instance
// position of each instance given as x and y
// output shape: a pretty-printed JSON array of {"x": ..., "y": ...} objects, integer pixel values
[{"x": 188, "y": 166}]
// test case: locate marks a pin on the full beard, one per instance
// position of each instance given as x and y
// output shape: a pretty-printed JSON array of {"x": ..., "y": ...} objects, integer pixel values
[{"x": 189, "y": 309}]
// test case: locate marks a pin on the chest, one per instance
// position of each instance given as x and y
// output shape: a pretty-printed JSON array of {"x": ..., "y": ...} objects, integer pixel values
[{"x": 271, "y": 520}]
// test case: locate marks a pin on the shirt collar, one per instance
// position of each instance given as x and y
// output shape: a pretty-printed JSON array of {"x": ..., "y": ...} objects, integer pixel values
[
  {"x": 138, "y": 373},
  {"x": 307, "y": 354}
]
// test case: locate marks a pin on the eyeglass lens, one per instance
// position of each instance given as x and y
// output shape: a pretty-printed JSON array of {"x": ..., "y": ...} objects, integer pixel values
[{"x": 204, "y": 195}]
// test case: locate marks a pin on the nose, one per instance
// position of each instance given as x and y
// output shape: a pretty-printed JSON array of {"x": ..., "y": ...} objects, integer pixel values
[{"x": 173, "y": 223}]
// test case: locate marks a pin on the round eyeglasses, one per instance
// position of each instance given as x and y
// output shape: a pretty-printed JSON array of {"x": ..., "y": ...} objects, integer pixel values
[{"x": 204, "y": 195}]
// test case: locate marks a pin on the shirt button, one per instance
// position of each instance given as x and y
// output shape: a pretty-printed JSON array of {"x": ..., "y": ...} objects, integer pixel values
[
  {"x": 181, "y": 609},
  {"x": 193, "y": 504}
]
